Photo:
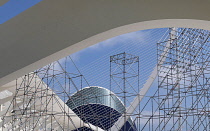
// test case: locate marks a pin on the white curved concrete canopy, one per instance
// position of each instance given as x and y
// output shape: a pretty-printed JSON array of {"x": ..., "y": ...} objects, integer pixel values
[{"x": 53, "y": 29}]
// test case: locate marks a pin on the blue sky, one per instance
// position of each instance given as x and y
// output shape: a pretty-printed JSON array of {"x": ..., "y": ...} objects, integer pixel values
[
  {"x": 93, "y": 62},
  {"x": 14, "y": 7}
]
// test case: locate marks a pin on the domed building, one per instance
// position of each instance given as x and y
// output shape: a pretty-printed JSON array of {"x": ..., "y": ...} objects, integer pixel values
[{"x": 100, "y": 107}]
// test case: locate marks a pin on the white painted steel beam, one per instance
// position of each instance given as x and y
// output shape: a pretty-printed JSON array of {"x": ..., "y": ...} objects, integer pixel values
[
  {"x": 57, "y": 104},
  {"x": 2, "y": 101}
]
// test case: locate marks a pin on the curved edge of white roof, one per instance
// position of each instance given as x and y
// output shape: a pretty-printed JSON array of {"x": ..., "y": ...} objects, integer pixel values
[{"x": 163, "y": 23}]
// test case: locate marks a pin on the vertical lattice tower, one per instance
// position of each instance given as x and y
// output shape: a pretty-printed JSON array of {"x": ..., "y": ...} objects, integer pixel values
[{"x": 124, "y": 77}]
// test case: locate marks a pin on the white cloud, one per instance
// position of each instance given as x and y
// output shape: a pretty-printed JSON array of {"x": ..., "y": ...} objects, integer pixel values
[{"x": 138, "y": 36}]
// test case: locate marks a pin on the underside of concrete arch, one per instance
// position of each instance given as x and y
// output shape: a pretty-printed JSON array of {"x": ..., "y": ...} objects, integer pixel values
[{"x": 53, "y": 29}]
